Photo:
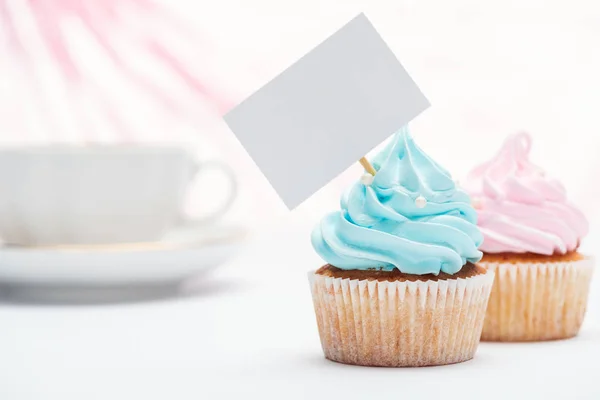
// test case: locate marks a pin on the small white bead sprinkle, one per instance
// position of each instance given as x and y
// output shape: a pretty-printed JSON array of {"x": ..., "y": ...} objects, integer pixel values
[
  {"x": 420, "y": 201},
  {"x": 476, "y": 202},
  {"x": 367, "y": 179}
]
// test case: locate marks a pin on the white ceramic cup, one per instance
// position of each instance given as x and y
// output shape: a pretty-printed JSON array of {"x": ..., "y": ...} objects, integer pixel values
[{"x": 98, "y": 194}]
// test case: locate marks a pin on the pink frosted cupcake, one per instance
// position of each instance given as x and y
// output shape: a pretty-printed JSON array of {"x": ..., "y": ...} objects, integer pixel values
[{"x": 531, "y": 236}]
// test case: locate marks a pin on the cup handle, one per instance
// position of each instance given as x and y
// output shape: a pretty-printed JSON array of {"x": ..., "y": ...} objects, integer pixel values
[{"x": 233, "y": 189}]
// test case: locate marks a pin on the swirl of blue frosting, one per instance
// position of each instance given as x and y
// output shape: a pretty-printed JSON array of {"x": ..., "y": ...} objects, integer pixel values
[{"x": 381, "y": 227}]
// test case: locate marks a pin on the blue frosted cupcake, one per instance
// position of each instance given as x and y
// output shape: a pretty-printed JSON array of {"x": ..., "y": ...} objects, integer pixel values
[{"x": 400, "y": 287}]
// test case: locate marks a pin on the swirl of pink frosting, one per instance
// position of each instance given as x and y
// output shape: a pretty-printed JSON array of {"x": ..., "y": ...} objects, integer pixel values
[{"x": 519, "y": 208}]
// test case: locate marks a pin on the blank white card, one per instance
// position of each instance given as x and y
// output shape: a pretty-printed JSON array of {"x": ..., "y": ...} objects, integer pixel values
[{"x": 326, "y": 111}]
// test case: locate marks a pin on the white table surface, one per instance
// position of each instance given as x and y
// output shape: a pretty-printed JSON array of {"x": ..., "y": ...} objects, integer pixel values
[{"x": 238, "y": 335}]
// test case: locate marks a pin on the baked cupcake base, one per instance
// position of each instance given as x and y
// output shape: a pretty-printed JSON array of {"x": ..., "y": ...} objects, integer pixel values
[
  {"x": 389, "y": 319},
  {"x": 535, "y": 297}
]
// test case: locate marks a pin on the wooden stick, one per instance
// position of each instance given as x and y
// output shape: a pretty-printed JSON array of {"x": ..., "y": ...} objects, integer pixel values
[{"x": 367, "y": 166}]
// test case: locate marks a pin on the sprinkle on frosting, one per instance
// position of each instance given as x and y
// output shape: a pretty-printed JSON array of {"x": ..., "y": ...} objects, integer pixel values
[
  {"x": 411, "y": 217},
  {"x": 521, "y": 209},
  {"x": 367, "y": 179}
]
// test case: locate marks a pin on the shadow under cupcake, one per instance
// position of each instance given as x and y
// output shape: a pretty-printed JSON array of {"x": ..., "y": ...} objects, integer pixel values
[{"x": 401, "y": 288}]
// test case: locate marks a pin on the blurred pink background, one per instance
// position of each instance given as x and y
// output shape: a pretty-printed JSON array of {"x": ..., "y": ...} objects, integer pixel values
[{"x": 137, "y": 71}]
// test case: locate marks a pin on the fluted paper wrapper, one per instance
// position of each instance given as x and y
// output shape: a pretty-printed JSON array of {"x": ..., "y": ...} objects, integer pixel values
[
  {"x": 400, "y": 324},
  {"x": 537, "y": 301}
]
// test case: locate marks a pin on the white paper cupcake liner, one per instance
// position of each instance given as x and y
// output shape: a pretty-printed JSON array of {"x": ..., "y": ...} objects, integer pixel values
[
  {"x": 537, "y": 301},
  {"x": 400, "y": 324}
]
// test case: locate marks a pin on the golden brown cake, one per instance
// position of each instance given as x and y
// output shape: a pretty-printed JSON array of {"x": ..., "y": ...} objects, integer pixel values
[
  {"x": 395, "y": 319},
  {"x": 536, "y": 297}
]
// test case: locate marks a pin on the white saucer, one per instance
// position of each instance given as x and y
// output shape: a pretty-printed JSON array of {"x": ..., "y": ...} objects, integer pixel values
[{"x": 183, "y": 253}]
